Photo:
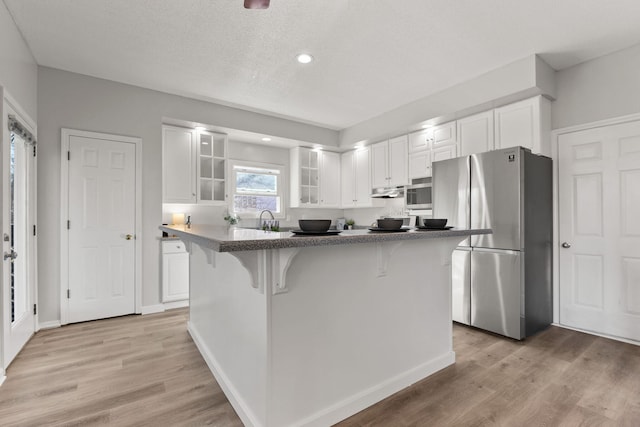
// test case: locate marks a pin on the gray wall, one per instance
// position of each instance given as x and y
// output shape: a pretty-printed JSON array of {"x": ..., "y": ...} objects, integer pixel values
[
  {"x": 602, "y": 88},
  {"x": 81, "y": 102},
  {"x": 18, "y": 69}
]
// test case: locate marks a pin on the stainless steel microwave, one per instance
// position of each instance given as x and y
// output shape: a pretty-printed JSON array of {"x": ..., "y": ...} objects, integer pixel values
[{"x": 419, "y": 194}]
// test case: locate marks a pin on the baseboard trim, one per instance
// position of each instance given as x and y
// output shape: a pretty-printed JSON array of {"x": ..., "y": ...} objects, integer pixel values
[
  {"x": 242, "y": 409},
  {"x": 586, "y": 331},
  {"x": 334, "y": 413},
  {"x": 2, "y": 378},
  {"x": 366, "y": 398},
  {"x": 176, "y": 304},
  {"x": 49, "y": 325},
  {"x": 161, "y": 308},
  {"x": 151, "y": 309}
]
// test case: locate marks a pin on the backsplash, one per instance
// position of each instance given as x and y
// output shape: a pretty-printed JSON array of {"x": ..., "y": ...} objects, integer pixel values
[{"x": 214, "y": 215}]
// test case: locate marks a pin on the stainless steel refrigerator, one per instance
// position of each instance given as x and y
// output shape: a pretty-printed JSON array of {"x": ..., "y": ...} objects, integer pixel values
[{"x": 501, "y": 282}]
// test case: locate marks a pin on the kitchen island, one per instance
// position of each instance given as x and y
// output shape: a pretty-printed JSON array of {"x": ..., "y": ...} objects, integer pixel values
[{"x": 308, "y": 330}]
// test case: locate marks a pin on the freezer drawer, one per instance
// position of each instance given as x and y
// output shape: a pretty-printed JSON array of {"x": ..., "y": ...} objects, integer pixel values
[
  {"x": 461, "y": 285},
  {"x": 496, "y": 291}
]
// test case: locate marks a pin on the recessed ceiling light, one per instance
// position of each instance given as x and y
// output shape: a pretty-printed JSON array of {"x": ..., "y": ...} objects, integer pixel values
[
  {"x": 265, "y": 139},
  {"x": 304, "y": 58}
]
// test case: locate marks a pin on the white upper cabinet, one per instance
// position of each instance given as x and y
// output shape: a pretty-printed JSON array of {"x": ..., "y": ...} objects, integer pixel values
[
  {"x": 211, "y": 184},
  {"x": 356, "y": 181},
  {"x": 398, "y": 156},
  {"x": 444, "y": 153},
  {"x": 330, "y": 179},
  {"x": 389, "y": 161},
  {"x": 313, "y": 172},
  {"x": 431, "y": 145},
  {"x": 444, "y": 134},
  {"x": 420, "y": 164},
  {"x": 526, "y": 123},
  {"x": 380, "y": 164},
  {"x": 475, "y": 133},
  {"x": 178, "y": 165},
  {"x": 420, "y": 141}
]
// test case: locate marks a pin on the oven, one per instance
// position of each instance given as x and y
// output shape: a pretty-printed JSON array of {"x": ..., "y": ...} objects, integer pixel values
[{"x": 418, "y": 195}]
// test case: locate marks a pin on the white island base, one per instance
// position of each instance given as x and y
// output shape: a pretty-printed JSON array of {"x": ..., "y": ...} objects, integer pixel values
[{"x": 308, "y": 336}]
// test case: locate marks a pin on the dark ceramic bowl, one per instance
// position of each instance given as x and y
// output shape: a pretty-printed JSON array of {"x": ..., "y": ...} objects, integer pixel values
[
  {"x": 390, "y": 223},
  {"x": 434, "y": 223},
  {"x": 314, "y": 225}
]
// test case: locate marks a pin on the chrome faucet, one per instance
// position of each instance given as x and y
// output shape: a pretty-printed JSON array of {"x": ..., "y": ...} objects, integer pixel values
[{"x": 263, "y": 225}]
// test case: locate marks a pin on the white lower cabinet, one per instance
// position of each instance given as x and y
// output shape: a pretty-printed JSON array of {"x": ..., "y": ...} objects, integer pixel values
[{"x": 175, "y": 271}]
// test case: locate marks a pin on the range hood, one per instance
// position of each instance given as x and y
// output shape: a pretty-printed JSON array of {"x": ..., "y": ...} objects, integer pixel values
[{"x": 387, "y": 192}]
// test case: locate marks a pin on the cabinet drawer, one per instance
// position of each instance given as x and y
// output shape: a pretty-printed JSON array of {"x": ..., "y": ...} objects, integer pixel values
[{"x": 173, "y": 246}]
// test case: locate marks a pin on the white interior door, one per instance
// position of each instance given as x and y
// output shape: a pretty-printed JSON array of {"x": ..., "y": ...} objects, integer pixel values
[
  {"x": 599, "y": 229},
  {"x": 18, "y": 210},
  {"x": 101, "y": 228}
]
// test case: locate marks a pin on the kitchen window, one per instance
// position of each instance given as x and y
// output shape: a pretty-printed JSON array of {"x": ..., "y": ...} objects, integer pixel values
[{"x": 256, "y": 187}]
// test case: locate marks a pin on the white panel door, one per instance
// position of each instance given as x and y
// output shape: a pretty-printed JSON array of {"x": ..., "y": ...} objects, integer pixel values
[
  {"x": 18, "y": 272},
  {"x": 599, "y": 230},
  {"x": 101, "y": 229},
  {"x": 475, "y": 133}
]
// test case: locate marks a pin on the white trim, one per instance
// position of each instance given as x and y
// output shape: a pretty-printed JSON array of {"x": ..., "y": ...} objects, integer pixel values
[
  {"x": 586, "y": 331},
  {"x": 599, "y": 123},
  {"x": 282, "y": 184},
  {"x": 2, "y": 377},
  {"x": 32, "y": 271},
  {"x": 152, "y": 309},
  {"x": 243, "y": 410},
  {"x": 555, "y": 153},
  {"x": 52, "y": 324},
  {"x": 176, "y": 304},
  {"x": 64, "y": 214},
  {"x": 160, "y": 308}
]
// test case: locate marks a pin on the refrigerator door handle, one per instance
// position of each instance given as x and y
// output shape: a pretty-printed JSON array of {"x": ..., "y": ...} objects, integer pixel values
[{"x": 498, "y": 251}]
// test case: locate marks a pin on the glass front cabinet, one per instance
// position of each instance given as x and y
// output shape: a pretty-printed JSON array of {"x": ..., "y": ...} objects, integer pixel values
[{"x": 212, "y": 163}]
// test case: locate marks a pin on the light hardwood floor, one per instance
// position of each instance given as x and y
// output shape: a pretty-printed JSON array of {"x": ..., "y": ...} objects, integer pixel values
[{"x": 146, "y": 371}]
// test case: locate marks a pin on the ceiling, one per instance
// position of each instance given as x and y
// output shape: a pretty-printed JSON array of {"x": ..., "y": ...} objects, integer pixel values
[{"x": 371, "y": 56}]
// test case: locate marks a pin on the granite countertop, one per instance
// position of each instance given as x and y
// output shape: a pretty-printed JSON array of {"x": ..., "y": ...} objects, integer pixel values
[{"x": 231, "y": 239}]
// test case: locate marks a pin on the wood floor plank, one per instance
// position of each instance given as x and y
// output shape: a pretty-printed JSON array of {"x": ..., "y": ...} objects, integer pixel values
[{"x": 146, "y": 371}]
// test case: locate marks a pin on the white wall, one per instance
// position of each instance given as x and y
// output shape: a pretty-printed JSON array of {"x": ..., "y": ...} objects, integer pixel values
[
  {"x": 18, "y": 69},
  {"x": 602, "y": 88},
  {"x": 82, "y": 102},
  {"x": 512, "y": 82},
  {"x": 202, "y": 214}
]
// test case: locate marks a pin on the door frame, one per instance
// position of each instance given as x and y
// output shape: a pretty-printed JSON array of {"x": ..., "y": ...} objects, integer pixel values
[
  {"x": 32, "y": 212},
  {"x": 66, "y": 134},
  {"x": 555, "y": 153}
]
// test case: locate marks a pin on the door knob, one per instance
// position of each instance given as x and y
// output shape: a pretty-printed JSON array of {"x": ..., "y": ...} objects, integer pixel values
[
  {"x": 10, "y": 255},
  {"x": 128, "y": 236},
  {"x": 566, "y": 245}
]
